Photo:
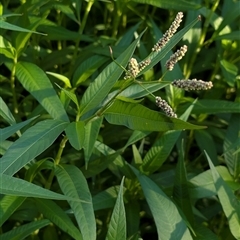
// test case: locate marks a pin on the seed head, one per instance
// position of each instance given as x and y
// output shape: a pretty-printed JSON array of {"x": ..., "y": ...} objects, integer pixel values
[
  {"x": 169, "y": 33},
  {"x": 193, "y": 84},
  {"x": 165, "y": 107},
  {"x": 133, "y": 69},
  {"x": 143, "y": 64},
  {"x": 178, "y": 55}
]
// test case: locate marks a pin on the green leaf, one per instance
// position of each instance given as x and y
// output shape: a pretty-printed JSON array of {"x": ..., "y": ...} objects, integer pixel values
[
  {"x": 61, "y": 78},
  {"x": 229, "y": 202},
  {"x": 55, "y": 32},
  {"x": 17, "y": 187},
  {"x": 73, "y": 184},
  {"x": 66, "y": 10},
  {"x": 234, "y": 35},
  {"x": 98, "y": 165},
  {"x": 137, "y": 91},
  {"x": 9, "y": 26},
  {"x": 112, "y": 159},
  {"x": 23, "y": 37},
  {"x": 133, "y": 217},
  {"x": 168, "y": 221},
  {"x": 206, "y": 143},
  {"x": 8, "y": 205},
  {"x": 101, "y": 86},
  {"x": 106, "y": 198},
  {"x": 70, "y": 94},
  {"x": 159, "y": 152},
  {"x": 203, "y": 233},
  {"x": 6, "y": 48},
  {"x": 117, "y": 226},
  {"x": 37, "y": 83},
  {"x": 202, "y": 185},
  {"x": 232, "y": 136},
  {"x": 212, "y": 107},
  {"x": 173, "y": 4},
  {"x": 91, "y": 133},
  {"x": 229, "y": 71},
  {"x": 87, "y": 68},
  {"x": 56, "y": 215},
  {"x": 9, "y": 131},
  {"x": 75, "y": 132},
  {"x": 20, "y": 233},
  {"x": 138, "y": 117},
  {"x": 6, "y": 113},
  {"x": 33, "y": 142},
  {"x": 181, "y": 194}
]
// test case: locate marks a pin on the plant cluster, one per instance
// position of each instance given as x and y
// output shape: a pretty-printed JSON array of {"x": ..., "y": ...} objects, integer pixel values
[{"x": 107, "y": 131}]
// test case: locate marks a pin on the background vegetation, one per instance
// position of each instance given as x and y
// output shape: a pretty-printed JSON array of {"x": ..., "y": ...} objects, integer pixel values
[{"x": 88, "y": 155}]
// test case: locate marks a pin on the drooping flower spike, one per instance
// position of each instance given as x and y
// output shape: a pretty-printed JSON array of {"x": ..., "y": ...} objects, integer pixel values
[
  {"x": 165, "y": 107},
  {"x": 178, "y": 55},
  {"x": 193, "y": 84},
  {"x": 169, "y": 33}
]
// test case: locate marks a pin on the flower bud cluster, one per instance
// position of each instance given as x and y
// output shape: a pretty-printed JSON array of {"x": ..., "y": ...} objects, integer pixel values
[
  {"x": 169, "y": 33},
  {"x": 178, "y": 55},
  {"x": 193, "y": 84},
  {"x": 165, "y": 107},
  {"x": 143, "y": 64},
  {"x": 134, "y": 68}
]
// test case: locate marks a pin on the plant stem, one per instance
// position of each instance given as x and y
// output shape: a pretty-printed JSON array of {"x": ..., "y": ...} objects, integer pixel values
[
  {"x": 201, "y": 40},
  {"x": 12, "y": 83},
  {"x": 57, "y": 161},
  {"x": 80, "y": 31}
]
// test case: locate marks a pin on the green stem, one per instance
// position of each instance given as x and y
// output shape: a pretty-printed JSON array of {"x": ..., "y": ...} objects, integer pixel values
[
  {"x": 201, "y": 40},
  {"x": 82, "y": 26},
  {"x": 12, "y": 83},
  {"x": 57, "y": 161}
]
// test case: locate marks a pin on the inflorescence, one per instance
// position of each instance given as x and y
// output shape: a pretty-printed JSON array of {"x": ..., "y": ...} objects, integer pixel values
[
  {"x": 165, "y": 107},
  {"x": 169, "y": 33},
  {"x": 193, "y": 84},
  {"x": 134, "y": 67},
  {"x": 178, "y": 55}
]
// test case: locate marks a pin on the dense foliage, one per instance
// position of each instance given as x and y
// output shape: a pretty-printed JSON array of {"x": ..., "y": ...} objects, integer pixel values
[{"x": 119, "y": 119}]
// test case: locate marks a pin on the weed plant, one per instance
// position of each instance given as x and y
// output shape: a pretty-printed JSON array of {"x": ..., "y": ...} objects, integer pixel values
[{"x": 119, "y": 119}]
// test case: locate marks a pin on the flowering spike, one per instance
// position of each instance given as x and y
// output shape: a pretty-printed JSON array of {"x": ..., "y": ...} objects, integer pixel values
[
  {"x": 169, "y": 33},
  {"x": 143, "y": 64},
  {"x": 193, "y": 84},
  {"x": 178, "y": 55},
  {"x": 165, "y": 107},
  {"x": 133, "y": 69}
]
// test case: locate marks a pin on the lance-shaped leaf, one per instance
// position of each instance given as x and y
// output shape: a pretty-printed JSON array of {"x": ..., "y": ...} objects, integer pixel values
[
  {"x": 8, "y": 206},
  {"x": 6, "y": 113},
  {"x": 17, "y": 187},
  {"x": 9, "y": 131},
  {"x": 25, "y": 230},
  {"x": 229, "y": 202},
  {"x": 75, "y": 132},
  {"x": 117, "y": 226},
  {"x": 74, "y": 185},
  {"x": 33, "y": 142},
  {"x": 169, "y": 222},
  {"x": 173, "y": 4},
  {"x": 37, "y": 83},
  {"x": 101, "y": 86},
  {"x": 138, "y": 117},
  {"x": 91, "y": 133},
  {"x": 56, "y": 215}
]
